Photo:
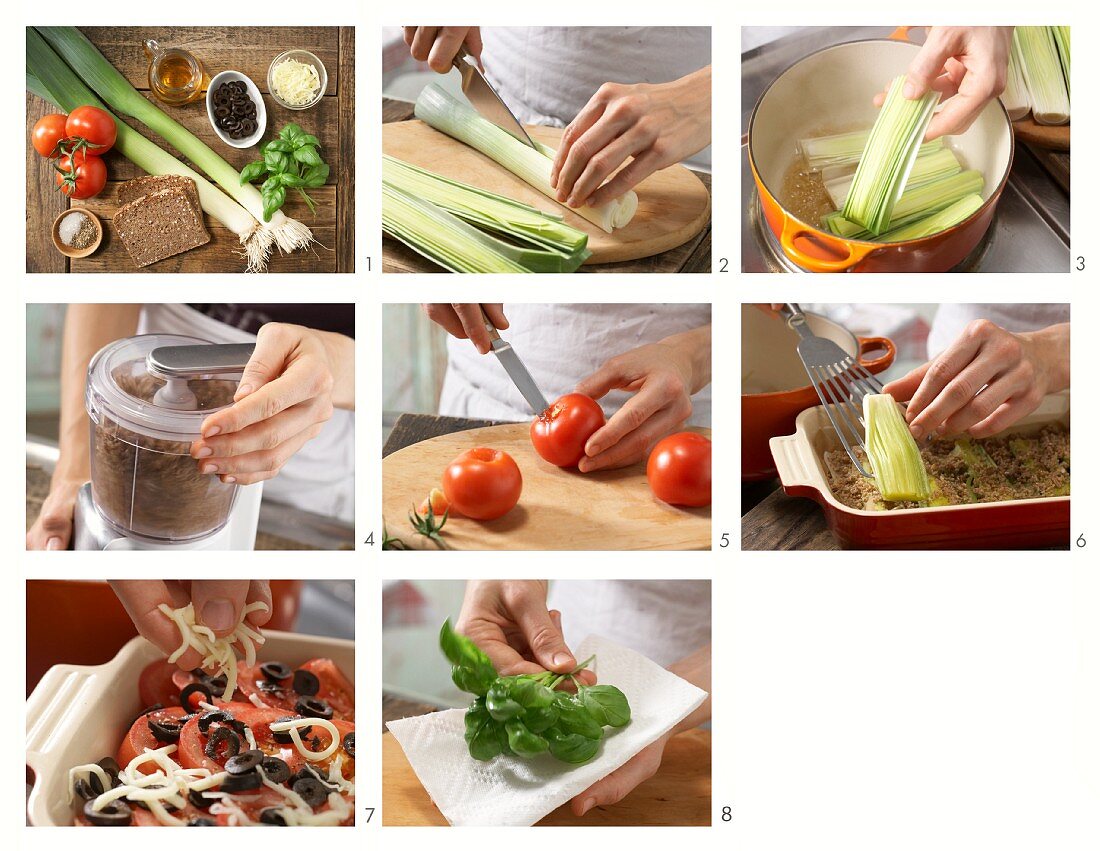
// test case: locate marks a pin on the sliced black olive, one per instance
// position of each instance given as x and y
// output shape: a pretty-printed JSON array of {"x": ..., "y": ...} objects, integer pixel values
[
  {"x": 313, "y": 707},
  {"x": 208, "y": 718},
  {"x": 221, "y": 111},
  {"x": 272, "y": 815},
  {"x": 115, "y": 814},
  {"x": 275, "y": 769},
  {"x": 202, "y": 821},
  {"x": 192, "y": 689},
  {"x": 275, "y": 670},
  {"x": 312, "y": 791},
  {"x": 109, "y": 765},
  {"x": 166, "y": 730},
  {"x": 349, "y": 744},
  {"x": 306, "y": 683},
  {"x": 95, "y": 784},
  {"x": 147, "y": 710},
  {"x": 198, "y": 799},
  {"x": 241, "y": 782},
  {"x": 217, "y": 684},
  {"x": 223, "y": 735},
  {"x": 283, "y": 738},
  {"x": 270, "y": 687},
  {"x": 244, "y": 762},
  {"x": 306, "y": 772},
  {"x": 248, "y": 127},
  {"x": 237, "y": 725},
  {"x": 82, "y": 789}
]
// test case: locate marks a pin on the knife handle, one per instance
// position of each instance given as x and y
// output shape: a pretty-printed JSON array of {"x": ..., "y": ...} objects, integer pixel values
[{"x": 494, "y": 334}]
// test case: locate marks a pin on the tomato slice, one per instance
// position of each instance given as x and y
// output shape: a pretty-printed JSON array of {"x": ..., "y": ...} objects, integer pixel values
[
  {"x": 157, "y": 684},
  {"x": 141, "y": 737},
  {"x": 335, "y": 688}
]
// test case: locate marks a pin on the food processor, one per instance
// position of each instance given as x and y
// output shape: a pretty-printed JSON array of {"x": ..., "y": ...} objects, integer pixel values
[{"x": 146, "y": 398}]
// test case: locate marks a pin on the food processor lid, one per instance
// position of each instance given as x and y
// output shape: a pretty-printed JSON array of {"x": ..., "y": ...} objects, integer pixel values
[{"x": 169, "y": 415}]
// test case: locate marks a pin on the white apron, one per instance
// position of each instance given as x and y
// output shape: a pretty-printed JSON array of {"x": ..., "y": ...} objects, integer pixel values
[
  {"x": 560, "y": 344},
  {"x": 321, "y": 476},
  {"x": 951, "y": 320}
]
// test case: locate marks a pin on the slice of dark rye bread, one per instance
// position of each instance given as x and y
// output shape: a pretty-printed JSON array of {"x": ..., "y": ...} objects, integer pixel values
[
  {"x": 158, "y": 225},
  {"x": 131, "y": 190}
]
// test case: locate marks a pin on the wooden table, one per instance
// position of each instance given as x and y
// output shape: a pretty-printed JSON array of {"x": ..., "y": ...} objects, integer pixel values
[
  {"x": 692, "y": 256},
  {"x": 249, "y": 50},
  {"x": 678, "y": 794}
]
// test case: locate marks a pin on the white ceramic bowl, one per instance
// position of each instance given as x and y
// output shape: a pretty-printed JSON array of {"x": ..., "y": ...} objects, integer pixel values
[
  {"x": 253, "y": 92},
  {"x": 306, "y": 58}
]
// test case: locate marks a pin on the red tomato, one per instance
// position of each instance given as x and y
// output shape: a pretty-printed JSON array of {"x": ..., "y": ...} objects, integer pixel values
[
  {"x": 561, "y": 431},
  {"x": 483, "y": 483},
  {"x": 679, "y": 469},
  {"x": 48, "y": 131},
  {"x": 438, "y": 502},
  {"x": 140, "y": 737},
  {"x": 156, "y": 684},
  {"x": 85, "y": 180},
  {"x": 95, "y": 126},
  {"x": 335, "y": 688}
]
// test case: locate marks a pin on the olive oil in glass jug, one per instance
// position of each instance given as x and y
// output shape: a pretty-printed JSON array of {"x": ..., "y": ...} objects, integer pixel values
[{"x": 176, "y": 77}]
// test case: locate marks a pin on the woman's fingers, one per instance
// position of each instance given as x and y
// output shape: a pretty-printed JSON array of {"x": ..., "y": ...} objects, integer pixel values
[
  {"x": 636, "y": 444},
  {"x": 261, "y": 466},
  {"x": 422, "y": 40},
  {"x": 637, "y": 170},
  {"x": 473, "y": 323},
  {"x": 955, "y": 394},
  {"x": 903, "y": 388},
  {"x": 622, "y": 781},
  {"x": 600, "y": 166},
  {"x": 588, "y": 116},
  {"x": 445, "y": 48},
  {"x": 141, "y": 598},
  {"x": 217, "y": 454},
  {"x": 218, "y": 603}
]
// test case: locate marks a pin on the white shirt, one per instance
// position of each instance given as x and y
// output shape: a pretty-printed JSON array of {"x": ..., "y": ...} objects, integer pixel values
[
  {"x": 952, "y": 319},
  {"x": 560, "y": 344},
  {"x": 664, "y": 620},
  {"x": 321, "y": 475},
  {"x": 546, "y": 75}
]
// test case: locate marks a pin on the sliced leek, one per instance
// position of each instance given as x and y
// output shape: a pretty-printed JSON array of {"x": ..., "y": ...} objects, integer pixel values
[
  {"x": 888, "y": 157},
  {"x": 845, "y": 149},
  {"x": 1015, "y": 97},
  {"x": 948, "y": 217},
  {"x": 895, "y": 457},
  {"x": 928, "y": 168},
  {"x": 1061, "y": 39},
  {"x": 532, "y": 165},
  {"x": 1042, "y": 70},
  {"x": 505, "y": 217}
]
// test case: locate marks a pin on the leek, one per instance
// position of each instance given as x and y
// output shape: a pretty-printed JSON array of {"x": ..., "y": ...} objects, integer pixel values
[
  {"x": 505, "y": 217},
  {"x": 1042, "y": 70},
  {"x": 1015, "y": 97},
  {"x": 53, "y": 80},
  {"x": 927, "y": 169},
  {"x": 888, "y": 157},
  {"x": 532, "y": 165},
  {"x": 948, "y": 217},
  {"x": 104, "y": 79},
  {"x": 1061, "y": 39},
  {"x": 895, "y": 457},
  {"x": 844, "y": 149}
]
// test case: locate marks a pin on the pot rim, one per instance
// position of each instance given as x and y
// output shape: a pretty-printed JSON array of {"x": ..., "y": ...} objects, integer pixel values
[{"x": 994, "y": 196}]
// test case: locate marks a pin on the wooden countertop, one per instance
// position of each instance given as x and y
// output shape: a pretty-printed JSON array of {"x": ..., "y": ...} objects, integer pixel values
[
  {"x": 692, "y": 256},
  {"x": 249, "y": 50}
]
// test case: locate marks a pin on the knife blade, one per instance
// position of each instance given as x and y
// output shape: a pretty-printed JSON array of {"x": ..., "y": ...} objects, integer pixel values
[
  {"x": 485, "y": 99},
  {"x": 515, "y": 368}
]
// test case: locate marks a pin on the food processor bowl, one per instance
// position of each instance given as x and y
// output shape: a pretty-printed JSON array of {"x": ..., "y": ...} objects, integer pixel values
[{"x": 145, "y": 484}]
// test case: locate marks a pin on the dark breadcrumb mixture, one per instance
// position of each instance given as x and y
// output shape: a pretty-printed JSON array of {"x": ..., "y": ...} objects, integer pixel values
[{"x": 968, "y": 471}]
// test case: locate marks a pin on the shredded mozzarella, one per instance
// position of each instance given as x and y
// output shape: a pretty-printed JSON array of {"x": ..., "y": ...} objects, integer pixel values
[
  {"x": 294, "y": 724},
  {"x": 296, "y": 82},
  {"x": 256, "y": 701},
  {"x": 89, "y": 769},
  {"x": 218, "y": 653}
]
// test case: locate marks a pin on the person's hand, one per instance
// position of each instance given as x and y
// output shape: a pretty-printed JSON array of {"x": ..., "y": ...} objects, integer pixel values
[
  {"x": 53, "y": 529},
  {"x": 662, "y": 376},
  {"x": 509, "y": 621},
  {"x": 438, "y": 46},
  {"x": 623, "y": 780},
  {"x": 294, "y": 379},
  {"x": 217, "y": 602},
  {"x": 967, "y": 65},
  {"x": 656, "y": 124},
  {"x": 985, "y": 381},
  {"x": 464, "y": 321}
]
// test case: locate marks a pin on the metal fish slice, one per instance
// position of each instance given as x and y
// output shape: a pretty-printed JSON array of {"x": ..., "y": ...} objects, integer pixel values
[{"x": 841, "y": 383}]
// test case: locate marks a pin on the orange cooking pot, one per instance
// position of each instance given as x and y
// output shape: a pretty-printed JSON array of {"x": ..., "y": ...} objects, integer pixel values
[
  {"x": 774, "y": 386},
  {"x": 81, "y": 622},
  {"x": 832, "y": 91}
]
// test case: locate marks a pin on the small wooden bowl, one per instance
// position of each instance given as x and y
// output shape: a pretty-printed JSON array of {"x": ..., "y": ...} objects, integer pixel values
[{"x": 70, "y": 250}]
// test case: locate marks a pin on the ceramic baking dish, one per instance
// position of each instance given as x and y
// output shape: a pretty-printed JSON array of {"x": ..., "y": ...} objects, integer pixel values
[
  {"x": 800, "y": 460},
  {"x": 79, "y": 713}
]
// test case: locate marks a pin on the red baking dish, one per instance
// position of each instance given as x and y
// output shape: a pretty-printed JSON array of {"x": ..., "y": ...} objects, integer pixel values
[{"x": 1018, "y": 524}]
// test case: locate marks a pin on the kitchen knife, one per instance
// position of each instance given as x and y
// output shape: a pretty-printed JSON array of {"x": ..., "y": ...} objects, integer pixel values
[
  {"x": 515, "y": 369},
  {"x": 485, "y": 98}
]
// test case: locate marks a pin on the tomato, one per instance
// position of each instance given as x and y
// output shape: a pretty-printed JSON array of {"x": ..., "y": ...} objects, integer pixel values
[
  {"x": 679, "y": 469},
  {"x": 141, "y": 737},
  {"x": 335, "y": 688},
  {"x": 437, "y": 500},
  {"x": 561, "y": 431},
  {"x": 85, "y": 180},
  {"x": 155, "y": 684},
  {"x": 48, "y": 131},
  {"x": 95, "y": 126},
  {"x": 483, "y": 483}
]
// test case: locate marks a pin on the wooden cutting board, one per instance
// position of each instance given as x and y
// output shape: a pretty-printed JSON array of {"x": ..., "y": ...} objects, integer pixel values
[
  {"x": 673, "y": 204},
  {"x": 558, "y": 509},
  {"x": 1055, "y": 138},
  {"x": 677, "y": 795}
]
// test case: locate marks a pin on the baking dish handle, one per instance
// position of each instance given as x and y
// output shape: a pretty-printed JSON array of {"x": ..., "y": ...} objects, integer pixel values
[
  {"x": 56, "y": 709},
  {"x": 793, "y": 230},
  {"x": 873, "y": 344},
  {"x": 790, "y": 463}
]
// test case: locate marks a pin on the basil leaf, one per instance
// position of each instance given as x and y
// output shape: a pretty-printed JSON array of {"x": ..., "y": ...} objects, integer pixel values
[
  {"x": 273, "y": 199},
  {"x": 278, "y": 145},
  {"x": 606, "y": 704},
  {"x": 290, "y": 132},
  {"x": 316, "y": 176},
  {"x": 290, "y": 179},
  {"x": 308, "y": 155},
  {"x": 523, "y": 742},
  {"x": 276, "y": 161},
  {"x": 253, "y": 171},
  {"x": 308, "y": 139}
]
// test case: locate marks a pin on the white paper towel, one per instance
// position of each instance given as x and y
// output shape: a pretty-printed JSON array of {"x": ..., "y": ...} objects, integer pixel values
[{"x": 508, "y": 790}]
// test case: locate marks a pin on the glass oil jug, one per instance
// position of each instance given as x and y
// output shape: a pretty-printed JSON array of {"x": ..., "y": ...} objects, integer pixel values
[{"x": 176, "y": 77}]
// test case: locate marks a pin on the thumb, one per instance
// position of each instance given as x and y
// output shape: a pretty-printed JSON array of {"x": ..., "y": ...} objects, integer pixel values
[
  {"x": 218, "y": 603},
  {"x": 927, "y": 66},
  {"x": 273, "y": 346},
  {"x": 545, "y": 639}
]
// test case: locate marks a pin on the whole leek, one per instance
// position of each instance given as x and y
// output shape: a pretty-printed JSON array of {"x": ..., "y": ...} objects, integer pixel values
[
  {"x": 1042, "y": 69},
  {"x": 1015, "y": 97},
  {"x": 532, "y": 165},
  {"x": 1061, "y": 39},
  {"x": 894, "y": 455},
  {"x": 885, "y": 163}
]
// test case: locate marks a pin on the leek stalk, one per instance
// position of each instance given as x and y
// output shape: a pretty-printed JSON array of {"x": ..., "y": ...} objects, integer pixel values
[
  {"x": 888, "y": 157},
  {"x": 532, "y": 165},
  {"x": 1061, "y": 39},
  {"x": 894, "y": 455},
  {"x": 1042, "y": 70},
  {"x": 103, "y": 78},
  {"x": 1015, "y": 97},
  {"x": 844, "y": 149},
  {"x": 948, "y": 217},
  {"x": 927, "y": 169}
]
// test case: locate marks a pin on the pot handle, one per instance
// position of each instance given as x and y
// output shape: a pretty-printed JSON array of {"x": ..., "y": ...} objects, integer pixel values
[
  {"x": 793, "y": 229},
  {"x": 900, "y": 34},
  {"x": 870, "y": 344}
]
